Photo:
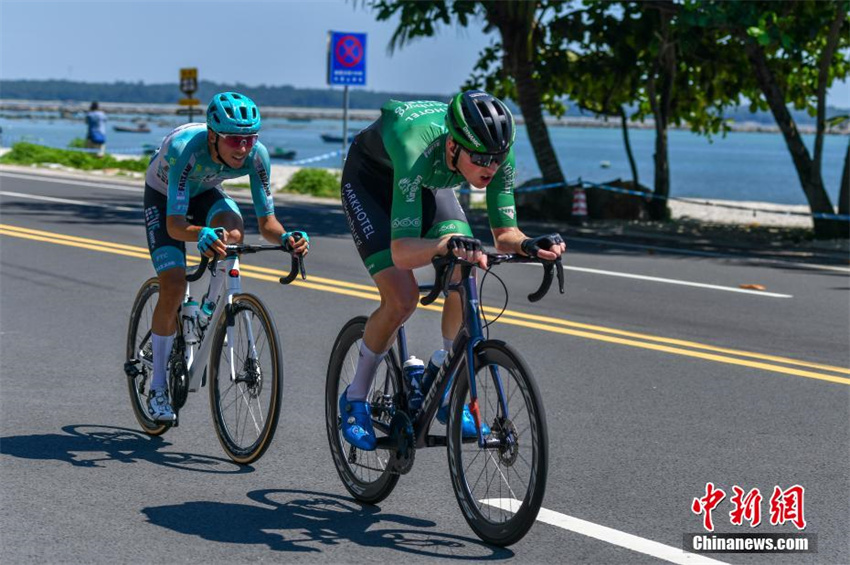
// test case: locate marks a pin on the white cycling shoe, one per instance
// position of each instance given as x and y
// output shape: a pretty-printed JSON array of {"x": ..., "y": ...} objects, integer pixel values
[{"x": 160, "y": 408}]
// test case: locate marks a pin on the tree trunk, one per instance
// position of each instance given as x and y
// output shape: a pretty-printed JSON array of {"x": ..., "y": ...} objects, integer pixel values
[
  {"x": 663, "y": 70},
  {"x": 628, "y": 143},
  {"x": 516, "y": 22},
  {"x": 808, "y": 174},
  {"x": 844, "y": 190}
]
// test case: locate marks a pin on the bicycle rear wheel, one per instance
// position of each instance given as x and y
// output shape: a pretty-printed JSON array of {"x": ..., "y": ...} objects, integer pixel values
[
  {"x": 500, "y": 490},
  {"x": 245, "y": 392},
  {"x": 139, "y": 356},
  {"x": 365, "y": 474}
]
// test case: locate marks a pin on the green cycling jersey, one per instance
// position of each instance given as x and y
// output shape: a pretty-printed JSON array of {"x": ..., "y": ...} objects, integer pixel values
[{"x": 410, "y": 139}]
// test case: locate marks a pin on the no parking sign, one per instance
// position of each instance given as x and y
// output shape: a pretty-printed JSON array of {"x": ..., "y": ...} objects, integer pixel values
[{"x": 347, "y": 58}]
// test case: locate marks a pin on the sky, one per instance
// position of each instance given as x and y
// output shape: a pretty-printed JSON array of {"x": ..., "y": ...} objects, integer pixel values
[{"x": 271, "y": 42}]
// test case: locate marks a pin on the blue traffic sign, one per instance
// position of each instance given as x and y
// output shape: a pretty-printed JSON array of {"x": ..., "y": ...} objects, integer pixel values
[{"x": 347, "y": 58}]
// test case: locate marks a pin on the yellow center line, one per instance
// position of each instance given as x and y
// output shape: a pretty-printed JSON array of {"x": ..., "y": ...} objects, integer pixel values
[{"x": 510, "y": 317}]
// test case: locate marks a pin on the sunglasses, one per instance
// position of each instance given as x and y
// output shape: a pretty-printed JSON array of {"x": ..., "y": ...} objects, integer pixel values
[
  {"x": 485, "y": 159},
  {"x": 239, "y": 141}
]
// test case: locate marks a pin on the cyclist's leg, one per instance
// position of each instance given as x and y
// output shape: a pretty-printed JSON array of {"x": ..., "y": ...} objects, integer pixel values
[
  {"x": 443, "y": 215},
  {"x": 366, "y": 201},
  {"x": 169, "y": 261}
]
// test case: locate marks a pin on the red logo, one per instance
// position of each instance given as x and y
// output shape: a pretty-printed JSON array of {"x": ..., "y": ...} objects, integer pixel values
[
  {"x": 706, "y": 504},
  {"x": 785, "y": 506}
]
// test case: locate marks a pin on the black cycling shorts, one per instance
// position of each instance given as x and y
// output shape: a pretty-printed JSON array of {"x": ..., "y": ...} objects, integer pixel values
[
  {"x": 367, "y": 189},
  {"x": 167, "y": 252}
]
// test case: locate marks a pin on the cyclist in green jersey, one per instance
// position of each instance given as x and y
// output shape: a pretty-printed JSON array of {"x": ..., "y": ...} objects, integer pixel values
[{"x": 401, "y": 216}]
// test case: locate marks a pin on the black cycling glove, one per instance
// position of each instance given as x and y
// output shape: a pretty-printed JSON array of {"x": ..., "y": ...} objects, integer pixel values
[
  {"x": 466, "y": 243},
  {"x": 532, "y": 245}
]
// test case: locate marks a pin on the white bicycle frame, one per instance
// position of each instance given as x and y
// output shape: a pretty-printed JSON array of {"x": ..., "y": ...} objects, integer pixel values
[{"x": 196, "y": 362}]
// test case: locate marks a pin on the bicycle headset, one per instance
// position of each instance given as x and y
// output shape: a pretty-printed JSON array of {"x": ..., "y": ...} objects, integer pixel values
[{"x": 480, "y": 123}]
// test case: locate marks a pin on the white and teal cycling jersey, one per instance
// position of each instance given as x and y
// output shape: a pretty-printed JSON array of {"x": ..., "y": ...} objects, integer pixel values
[{"x": 182, "y": 168}]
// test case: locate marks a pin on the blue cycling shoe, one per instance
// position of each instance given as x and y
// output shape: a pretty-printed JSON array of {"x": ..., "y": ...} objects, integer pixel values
[
  {"x": 356, "y": 422},
  {"x": 468, "y": 425}
]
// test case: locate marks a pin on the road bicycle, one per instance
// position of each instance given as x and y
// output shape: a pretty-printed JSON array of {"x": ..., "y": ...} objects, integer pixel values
[
  {"x": 237, "y": 345},
  {"x": 498, "y": 479}
]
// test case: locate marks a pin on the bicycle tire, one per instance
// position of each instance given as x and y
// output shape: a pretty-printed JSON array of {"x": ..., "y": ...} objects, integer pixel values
[
  {"x": 242, "y": 436},
  {"x": 141, "y": 317},
  {"x": 371, "y": 481},
  {"x": 514, "y": 505}
]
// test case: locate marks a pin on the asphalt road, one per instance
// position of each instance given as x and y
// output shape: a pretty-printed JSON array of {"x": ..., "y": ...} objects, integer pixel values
[{"x": 659, "y": 375}]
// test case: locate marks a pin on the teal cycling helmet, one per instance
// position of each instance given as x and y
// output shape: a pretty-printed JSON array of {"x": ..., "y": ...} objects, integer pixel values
[
  {"x": 233, "y": 113},
  {"x": 480, "y": 122}
]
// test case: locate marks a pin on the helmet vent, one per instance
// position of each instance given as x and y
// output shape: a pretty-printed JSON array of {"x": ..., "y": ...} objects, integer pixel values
[{"x": 244, "y": 111}]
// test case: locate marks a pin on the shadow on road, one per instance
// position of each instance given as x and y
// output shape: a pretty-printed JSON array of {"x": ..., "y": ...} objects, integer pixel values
[
  {"x": 85, "y": 445},
  {"x": 304, "y": 521}
]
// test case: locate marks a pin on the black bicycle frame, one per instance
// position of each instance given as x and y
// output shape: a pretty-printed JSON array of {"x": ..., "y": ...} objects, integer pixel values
[{"x": 470, "y": 335}]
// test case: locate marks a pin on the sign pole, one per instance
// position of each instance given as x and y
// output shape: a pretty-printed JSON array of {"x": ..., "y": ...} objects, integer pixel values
[
  {"x": 344, "y": 123},
  {"x": 346, "y": 66}
]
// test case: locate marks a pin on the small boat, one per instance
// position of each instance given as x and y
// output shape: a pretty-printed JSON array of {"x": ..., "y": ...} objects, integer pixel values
[
  {"x": 140, "y": 128},
  {"x": 333, "y": 138},
  {"x": 280, "y": 153},
  {"x": 605, "y": 164}
]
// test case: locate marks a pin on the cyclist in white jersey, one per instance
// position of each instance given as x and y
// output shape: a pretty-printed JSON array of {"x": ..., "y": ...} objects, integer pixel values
[{"x": 184, "y": 201}]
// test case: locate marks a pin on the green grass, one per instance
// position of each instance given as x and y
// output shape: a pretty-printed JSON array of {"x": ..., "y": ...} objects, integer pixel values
[
  {"x": 315, "y": 182},
  {"x": 32, "y": 154}
]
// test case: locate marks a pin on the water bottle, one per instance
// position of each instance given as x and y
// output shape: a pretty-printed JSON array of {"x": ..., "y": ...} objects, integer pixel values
[
  {"x": 205, "y": 312},
  {"x": 413, "y": 371},
  {"x": 437, "y": 360},
  {"x": 189, "y": 312}
]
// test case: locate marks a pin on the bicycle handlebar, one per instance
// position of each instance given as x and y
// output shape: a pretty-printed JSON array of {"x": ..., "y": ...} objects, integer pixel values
[
  {"x": 240, "y": 249},
  {"x": 444, "y": 266}
]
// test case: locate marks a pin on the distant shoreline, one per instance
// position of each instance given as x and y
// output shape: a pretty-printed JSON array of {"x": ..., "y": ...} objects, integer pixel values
[{"x": 68, "y": 109}]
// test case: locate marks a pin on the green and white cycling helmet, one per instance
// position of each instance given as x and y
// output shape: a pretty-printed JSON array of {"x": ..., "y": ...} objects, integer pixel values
[
  {"x": 480, "y": 122},
  {"x": 233, "y": 113}
]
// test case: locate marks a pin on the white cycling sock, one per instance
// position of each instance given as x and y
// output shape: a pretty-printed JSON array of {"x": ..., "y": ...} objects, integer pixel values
[
  {"x": 365, "y": 373},
  {"x": 161, "y": 350}
]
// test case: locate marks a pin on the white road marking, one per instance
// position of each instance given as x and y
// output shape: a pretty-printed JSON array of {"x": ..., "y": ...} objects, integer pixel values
[
  {"x": 609, "y": 535},
  {"x": 239, "y": 199},
  {"x": 64, "y": 180},
  {"x": 673, "y": 281},
  {"x": 67, "y": 201},
  {"x": 679, "y": 251}
]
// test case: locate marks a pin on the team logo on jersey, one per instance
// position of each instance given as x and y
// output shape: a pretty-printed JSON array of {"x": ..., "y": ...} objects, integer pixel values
[
  {"x": 407, "y": 222},
  {"x": 447, "y": 228},
  {"x": 508, "y": 211},
  {"x": 410, "y": 187}
]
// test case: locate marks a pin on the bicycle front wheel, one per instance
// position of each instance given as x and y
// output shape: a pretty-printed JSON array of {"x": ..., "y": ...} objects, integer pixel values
[
  {"x": 246, "y": 379},
  {"x": 366, "y": 474},
  {"x": 499, "y": 488},
  {"x": 139, "y": 356}
]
